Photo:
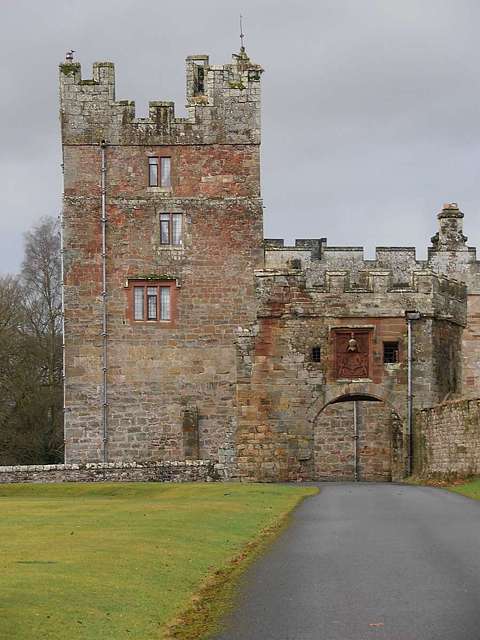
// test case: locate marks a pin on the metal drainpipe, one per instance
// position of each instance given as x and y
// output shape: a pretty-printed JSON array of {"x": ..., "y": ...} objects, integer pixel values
[
  {"x": 62, "y": 314},
  {"x": 355, "y": 440},
  {"x": 103, "y": 147},
  {"x": 411, "y": 316}
]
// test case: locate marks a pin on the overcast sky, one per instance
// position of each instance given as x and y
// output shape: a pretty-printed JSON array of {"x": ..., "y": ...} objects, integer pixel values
[{"x": 371, "y": 113}]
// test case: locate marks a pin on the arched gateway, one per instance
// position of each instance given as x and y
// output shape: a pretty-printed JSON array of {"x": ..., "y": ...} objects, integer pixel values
[{"x": 359, "y": 437}]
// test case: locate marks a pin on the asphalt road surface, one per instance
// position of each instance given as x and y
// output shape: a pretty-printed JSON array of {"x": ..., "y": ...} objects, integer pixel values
[{"x": 367, "y": 561}]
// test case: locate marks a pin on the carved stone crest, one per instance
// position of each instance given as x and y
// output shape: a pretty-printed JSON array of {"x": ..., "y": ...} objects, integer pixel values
[{"x": 352, "y": 354}]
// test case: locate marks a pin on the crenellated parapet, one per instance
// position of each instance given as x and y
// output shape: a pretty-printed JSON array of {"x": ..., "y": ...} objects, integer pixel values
[
  {"x": 223, "y": 106},
  {"x": 449, "y": 255},
  {"x": 289, "y": 291}
]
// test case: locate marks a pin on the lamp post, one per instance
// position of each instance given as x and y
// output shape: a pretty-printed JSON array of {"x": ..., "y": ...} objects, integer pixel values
[{"x": 411, "y": 316}]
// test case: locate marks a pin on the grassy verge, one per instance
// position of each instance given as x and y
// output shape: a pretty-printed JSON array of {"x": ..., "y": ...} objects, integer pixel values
[
  {"x": 471, "y": 489},
  {"x": 467, "y": 486},
  {"x": 123, "y": 560}
]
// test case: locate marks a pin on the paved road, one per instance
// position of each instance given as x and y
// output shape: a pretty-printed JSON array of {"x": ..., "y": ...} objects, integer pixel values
[{"x": 363, "y": 561}]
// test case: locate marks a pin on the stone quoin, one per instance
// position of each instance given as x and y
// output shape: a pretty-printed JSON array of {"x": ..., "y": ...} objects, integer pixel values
[{"x": 188, "y": 336}]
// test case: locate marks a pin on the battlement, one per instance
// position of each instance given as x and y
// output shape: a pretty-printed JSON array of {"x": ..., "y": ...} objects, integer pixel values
[
  {"x": 223, "y": 106},
  {"x": 429, "y": 293},
  {"x": 378, "y": 281},
  {"x": 448, "y": 255},
  {"x": 315, "y": 255}
]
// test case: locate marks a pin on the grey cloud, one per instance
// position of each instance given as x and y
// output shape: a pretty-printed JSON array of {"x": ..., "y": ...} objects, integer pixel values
[{"x": 369, "y": 118}]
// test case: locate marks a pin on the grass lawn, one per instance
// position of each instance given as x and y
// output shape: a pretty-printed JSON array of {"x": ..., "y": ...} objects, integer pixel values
[
  {"x": 117, "y": 561},
  {"x": 471, "y": 489}
]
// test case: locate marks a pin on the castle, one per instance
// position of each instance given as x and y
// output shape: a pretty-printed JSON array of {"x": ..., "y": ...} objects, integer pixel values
[{"x": 189, "y": 336}]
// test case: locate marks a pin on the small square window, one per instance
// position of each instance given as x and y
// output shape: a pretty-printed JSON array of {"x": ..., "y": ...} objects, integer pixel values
[
  {"x": 390, "y": 352},
  {"x": 316, "y": 354},
  {"x": 160, "y": 172},
  {"x": 171, "y": 229}
]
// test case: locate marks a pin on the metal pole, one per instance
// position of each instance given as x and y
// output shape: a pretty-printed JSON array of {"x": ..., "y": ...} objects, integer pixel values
[
  {"x": 355, "y": 440},
  {"x": 409, "y": 396},
  {"x": 62, "y": 288},
  {"x": 411, "y": 316},
  {"x": 103, "y": 146}
]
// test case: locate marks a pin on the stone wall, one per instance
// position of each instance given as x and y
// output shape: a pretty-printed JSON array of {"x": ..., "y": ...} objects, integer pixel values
[
  {"x": 158, "y": 373},
  {"x": 230, "y": 375},
  {"x": 225, "y": 110},
  {"x": 448, "y": 256},
  {"x": 288, "y": 426},
  {"x": 447, "y": 439},
  {"x": 189, "y": 471}
]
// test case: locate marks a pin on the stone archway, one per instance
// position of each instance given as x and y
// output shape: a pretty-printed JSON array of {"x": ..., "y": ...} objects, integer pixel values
[{"x": 358, "y": 437}]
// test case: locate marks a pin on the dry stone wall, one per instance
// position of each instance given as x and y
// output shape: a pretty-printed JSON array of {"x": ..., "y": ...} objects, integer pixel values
[
  {"x": 447, "y": 439},
  {"x": 187, "y": 471}
]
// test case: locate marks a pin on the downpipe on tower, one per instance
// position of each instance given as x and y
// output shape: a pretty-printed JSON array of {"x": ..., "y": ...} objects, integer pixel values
[
  {"x": 104, "y": 334},
  {"x": 62, "y": 313},
  {"x": 411, "y": 316}
]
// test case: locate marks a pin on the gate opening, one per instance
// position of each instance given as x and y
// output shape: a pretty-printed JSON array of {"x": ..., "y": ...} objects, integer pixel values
[{"x": 359, "y": 438}]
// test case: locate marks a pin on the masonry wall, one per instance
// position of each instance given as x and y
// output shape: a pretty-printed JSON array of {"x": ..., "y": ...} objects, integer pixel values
[
  {"x": 159, "y": 375},
  {"x": 287, "y": 428},
  {"x": 231, "y": 377},
  {"x": 447, "y": 439},
  {"x": 448, "y": 256},
  {"x": 188, "y": 471}
]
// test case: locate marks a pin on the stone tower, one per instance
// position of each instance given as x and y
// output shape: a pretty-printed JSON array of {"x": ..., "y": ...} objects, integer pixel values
[{"x": 162, "y": 226}]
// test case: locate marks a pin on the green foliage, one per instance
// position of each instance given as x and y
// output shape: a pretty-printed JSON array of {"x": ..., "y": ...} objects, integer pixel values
[
  {"x": 112, "y": 561},
  {"x": 236, "y": 85},
  {"x": 69, "y": 69},
  {"x": 152, "y": 276}
]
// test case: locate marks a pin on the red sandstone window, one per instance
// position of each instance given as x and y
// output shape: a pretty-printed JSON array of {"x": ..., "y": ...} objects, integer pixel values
[
  {"x": 171, "y": 228},
  {"x": 152, "y": 302},
  {"x": 160, "y": 172}
]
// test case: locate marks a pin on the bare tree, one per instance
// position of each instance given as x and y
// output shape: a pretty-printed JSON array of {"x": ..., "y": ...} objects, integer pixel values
[
  {"x": 30, "y": 353},
  {"x": 41, "y": 279}
]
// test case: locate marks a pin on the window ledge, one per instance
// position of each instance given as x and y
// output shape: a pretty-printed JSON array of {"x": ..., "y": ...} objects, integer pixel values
[
  {"x": 353, "y": 380},
  {"x": 160, "y": 190},
  {"x": 169, "y": 247},
  {"x": 152, "y": 323}
]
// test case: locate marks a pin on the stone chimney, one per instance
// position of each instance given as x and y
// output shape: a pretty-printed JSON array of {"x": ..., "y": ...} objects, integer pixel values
[{"x": 450, "y": 235}]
